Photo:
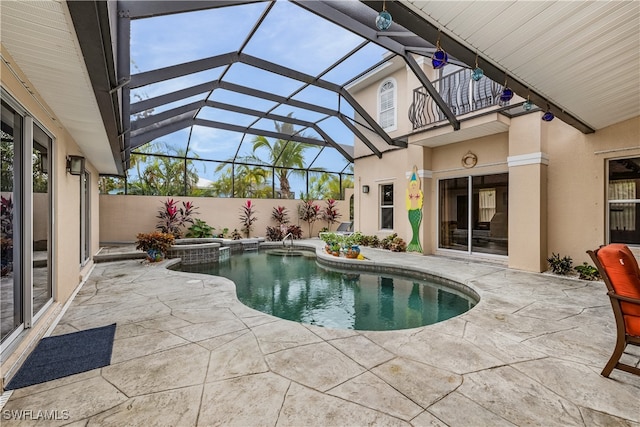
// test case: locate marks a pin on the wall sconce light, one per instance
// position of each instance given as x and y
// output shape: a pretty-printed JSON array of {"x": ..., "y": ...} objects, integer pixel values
[
  {"x": 365, "y": 189},
  {"x": 75, "y": 165}
]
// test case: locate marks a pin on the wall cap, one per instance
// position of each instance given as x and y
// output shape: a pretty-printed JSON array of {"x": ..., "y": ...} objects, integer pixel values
[{"x": 528, "y": 159}]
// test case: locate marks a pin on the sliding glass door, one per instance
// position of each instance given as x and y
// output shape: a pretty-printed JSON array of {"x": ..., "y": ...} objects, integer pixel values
[
  {"x": 41, "y": 219},
  {"x": 473, "y": 214},
  {"x": 25, "y": 219},
  {"x": 11, "y": 290}
]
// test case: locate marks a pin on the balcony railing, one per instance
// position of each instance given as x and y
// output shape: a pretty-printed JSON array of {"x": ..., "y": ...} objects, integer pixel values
[{"x": 461, "y": 94}]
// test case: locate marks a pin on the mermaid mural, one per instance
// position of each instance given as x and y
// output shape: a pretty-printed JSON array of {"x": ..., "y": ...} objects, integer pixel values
[{"x": 414, "y": 207}]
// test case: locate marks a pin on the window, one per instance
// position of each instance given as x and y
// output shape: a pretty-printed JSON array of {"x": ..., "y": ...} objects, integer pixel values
[
  {"x": 624, "y": 201},
  {"x": 474, "y": 214},
  {"x": 386, "y": 207},
  {"x": 387, "y": 105}
]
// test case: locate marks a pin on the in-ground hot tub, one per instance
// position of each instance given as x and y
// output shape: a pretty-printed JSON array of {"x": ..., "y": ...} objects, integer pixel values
[{"x": 195, "y": 251}]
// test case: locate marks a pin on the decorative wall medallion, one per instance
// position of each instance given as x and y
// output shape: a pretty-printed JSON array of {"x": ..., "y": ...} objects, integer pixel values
[{"x": 469, "y": 160}]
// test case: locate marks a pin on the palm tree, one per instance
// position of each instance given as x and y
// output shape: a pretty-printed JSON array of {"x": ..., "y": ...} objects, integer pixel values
[
  {"x": 163, "y": 175},
  {"x": 283, "y": 154},
  {"x": 249, "y": 181}
]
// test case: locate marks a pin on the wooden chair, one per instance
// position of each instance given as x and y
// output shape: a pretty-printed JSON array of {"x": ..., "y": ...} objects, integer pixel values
[{"x": 619, "y": 270}]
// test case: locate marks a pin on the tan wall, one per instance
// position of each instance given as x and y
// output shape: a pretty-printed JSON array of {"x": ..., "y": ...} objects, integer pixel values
[
  {"x": 123, "y": 217},
  {"x": 560, "y": 207},
  {"x": 66, "y": 188},
  {"x": 577, "y": 177}
]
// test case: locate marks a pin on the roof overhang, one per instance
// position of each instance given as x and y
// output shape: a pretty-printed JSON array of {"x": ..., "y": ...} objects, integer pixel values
[{"x": 69, "y": 68}]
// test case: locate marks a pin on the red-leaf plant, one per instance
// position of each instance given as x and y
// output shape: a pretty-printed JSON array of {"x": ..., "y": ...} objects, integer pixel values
[
  {"x": 174, "y": 218},
  {"x": 247, "y": 218},
  {"x": 330, "y": 213}
]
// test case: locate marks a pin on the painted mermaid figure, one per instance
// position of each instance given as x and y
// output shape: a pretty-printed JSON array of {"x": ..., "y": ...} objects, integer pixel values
[{"x": 414, "y": 208}]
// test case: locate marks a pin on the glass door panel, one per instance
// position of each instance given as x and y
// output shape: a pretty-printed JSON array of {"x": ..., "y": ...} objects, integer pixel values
[
  {"x": 11, "y": 295},
  {"x": 490, "y": 214},
  {"x": 453, "y": 211},
  {"x": 478, "y": 204},
  {"x": 41, "y": 227}
]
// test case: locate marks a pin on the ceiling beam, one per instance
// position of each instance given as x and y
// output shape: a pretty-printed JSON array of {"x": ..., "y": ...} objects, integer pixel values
[
  {"x": 161, "y": 74},
  {"x": 326, "y": 11},
  {"x": 152, "y": 122},
  {"x": 137, "y": 9},
  {"x": 167, "y": 98},
  {"x": 258, "y": 132}
]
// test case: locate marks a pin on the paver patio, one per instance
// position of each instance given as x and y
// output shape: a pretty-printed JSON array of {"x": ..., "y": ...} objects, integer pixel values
[{"x": 188, "y": 353}]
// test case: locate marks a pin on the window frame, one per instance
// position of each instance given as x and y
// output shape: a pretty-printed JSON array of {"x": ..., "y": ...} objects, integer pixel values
[
  {"x": 384, "y": 206},
  {"x": 394, "y": 100},
  {"x": 609, "y": 201}
]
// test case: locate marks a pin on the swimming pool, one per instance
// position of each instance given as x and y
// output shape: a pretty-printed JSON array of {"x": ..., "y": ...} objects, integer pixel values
[{"x": 298, "y": 288}]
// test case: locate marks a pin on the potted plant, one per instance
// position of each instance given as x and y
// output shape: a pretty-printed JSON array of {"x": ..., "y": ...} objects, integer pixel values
[
  {"x": 352, "y": 249},
  {"x": 335, "y": 249},
  {"x": 329, "y": 240},
  {"x": 155, "y": 244}
]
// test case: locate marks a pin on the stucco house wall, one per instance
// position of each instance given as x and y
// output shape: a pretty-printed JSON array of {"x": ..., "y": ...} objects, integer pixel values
[
  {"x": 557, "y": 178},
  {"x": 66, "y": 271}
]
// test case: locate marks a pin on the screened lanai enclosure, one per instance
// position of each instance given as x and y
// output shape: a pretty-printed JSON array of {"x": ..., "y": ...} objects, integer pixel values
[
  {"x": 232, "y": 98},
  {"x": 249, "y": 99}
]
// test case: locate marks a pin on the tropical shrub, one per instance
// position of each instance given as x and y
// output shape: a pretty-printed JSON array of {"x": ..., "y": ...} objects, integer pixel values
[
  {"x": 247, "y": 218},
  {"x": 308, "y": 212},
  {"x": 386, "y": 242},
  {"x": 330, "y": 213},
  {"x": 587, "y": 272},
  {"x": 295, "y": 231},
  {"x": 199, "y": 229},
  {"x": 398, "y": 245},
  {"x": 156, "y": 241},
  {"x": 274, "y": 234},
  {"x": 280, "y": 215},
  {"x": 560, "y": 265},
  {"x": 235, "y": 234},
  {"x": 173, "y": 219}
]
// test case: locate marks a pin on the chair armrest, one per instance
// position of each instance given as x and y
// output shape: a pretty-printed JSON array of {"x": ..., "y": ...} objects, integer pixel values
[{"x": 623, "y": 298}]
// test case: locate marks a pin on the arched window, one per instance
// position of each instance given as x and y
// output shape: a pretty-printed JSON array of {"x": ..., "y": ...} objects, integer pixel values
[{"x": 387, "y": 100}]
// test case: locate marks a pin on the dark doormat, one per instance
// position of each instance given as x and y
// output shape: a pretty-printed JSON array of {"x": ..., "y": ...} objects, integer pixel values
[{"x": 63, "y": 355}]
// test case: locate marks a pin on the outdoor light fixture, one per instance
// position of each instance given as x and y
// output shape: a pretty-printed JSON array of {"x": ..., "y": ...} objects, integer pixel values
[
  {"x": 383, "y": 20},
  {"x": 365, "y": 189},
  {"x": 528, "y": 105},
  {"x": 440, "y": 57},
  {"x": 477, "y": 71},
  {"x": 75, "y": 165}
]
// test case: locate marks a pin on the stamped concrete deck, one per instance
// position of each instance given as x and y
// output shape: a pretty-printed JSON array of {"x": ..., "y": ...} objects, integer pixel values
[{"x": 188, "y": 353}]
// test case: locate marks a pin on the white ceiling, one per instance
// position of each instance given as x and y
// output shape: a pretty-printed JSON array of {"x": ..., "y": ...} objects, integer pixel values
[
  {"x": 584, "y": 56},
  {"x": 40, "y": 37}
]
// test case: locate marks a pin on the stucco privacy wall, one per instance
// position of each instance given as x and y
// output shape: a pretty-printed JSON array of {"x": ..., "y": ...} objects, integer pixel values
[{"x": 123, "y": 217}]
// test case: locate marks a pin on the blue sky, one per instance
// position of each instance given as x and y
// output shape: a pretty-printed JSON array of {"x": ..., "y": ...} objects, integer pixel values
[{"x": 289, "y": 36}]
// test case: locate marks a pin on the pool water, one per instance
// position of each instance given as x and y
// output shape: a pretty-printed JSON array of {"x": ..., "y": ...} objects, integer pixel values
[{"x": 297, "y": 288}]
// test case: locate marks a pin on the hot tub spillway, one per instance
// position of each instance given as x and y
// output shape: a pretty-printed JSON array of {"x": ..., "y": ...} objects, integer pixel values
[{"x": 284, "y": 252}]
